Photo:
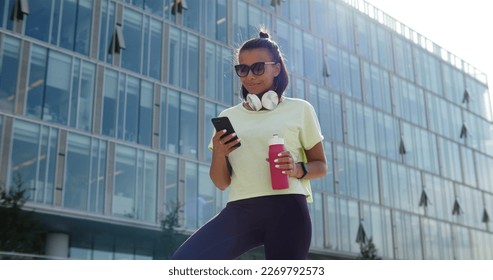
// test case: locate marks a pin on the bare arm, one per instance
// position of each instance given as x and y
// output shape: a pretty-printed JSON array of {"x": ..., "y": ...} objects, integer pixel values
[{"x": 220, "y": 171}]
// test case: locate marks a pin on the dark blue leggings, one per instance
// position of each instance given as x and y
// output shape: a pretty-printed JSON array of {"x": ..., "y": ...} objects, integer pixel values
[{"x": 281, "y": 223}]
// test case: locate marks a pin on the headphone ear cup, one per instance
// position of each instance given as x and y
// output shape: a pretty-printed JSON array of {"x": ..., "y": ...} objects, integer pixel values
[
  {"x": 254, "y": 102},
  {"x": 270, "y": 100}
]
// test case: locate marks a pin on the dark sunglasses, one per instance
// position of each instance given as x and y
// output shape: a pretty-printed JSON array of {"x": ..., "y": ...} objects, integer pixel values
[{"x": 258, "y": 68}]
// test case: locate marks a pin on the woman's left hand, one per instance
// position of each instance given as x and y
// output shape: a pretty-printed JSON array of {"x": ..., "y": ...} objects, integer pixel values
[{"x": 286, "y": 163}]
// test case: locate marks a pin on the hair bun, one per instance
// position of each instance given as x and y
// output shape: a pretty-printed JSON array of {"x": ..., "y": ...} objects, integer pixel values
[{"x": 263, "y": 35}]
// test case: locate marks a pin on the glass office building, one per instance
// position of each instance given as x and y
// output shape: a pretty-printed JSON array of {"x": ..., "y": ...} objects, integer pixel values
[{"x": 105, "y": 111}]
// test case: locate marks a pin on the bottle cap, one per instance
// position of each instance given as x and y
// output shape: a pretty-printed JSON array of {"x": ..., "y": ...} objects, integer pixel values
[{"x": 276, "y": 140}]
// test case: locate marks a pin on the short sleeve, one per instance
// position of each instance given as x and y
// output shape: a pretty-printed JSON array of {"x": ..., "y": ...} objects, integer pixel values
[{"x": 310, "y": 133}]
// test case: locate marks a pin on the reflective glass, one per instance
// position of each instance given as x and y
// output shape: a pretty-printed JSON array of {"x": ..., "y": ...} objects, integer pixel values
[
  {"x": 377, "y": 87},
  {"x": 77, "y": 172},
  {"x": 401, "y": 187},
  {"x": 437, "y": 239},
  {"x": 317, "y": 217},
  {"x": 428, "y": 71},
  {"x": 171, "y": 183},
  {"x": 441, "y": 197},
  {"x": 190, "y": 78},
  {"x": 65, "y": 23},
  {"x": 37, "y": 76},
  {"x": 39, "y": 21},
  {"x": 188, "y": 126},
  {"x": 132, "y": 31},
  {"x": 170, "y": 113},
  {"x": 470, "y": 201},
  {"x": 408, "y": 236},
  {"x": 313, "y": 65},
  {"x": 110, "y": 103},
  {"x": 124, "y": 194},
  {"x": 145, "y": 113},
  {"x": 84, "y": 173},
  {"x": 403, "y": 58},
  {"x": 191, "y": 195},
  {"x": 107, "y": 20},
  {"x": 9, "y": 68},
  {"x": 83, "y": 27},
  {"x": 68, "y": 16},
  {"x": 6, "y": 8},
  {"x": 57, "y": 92},
  {"x": 174, "y": 56},
  {"x": 377, "y": 224},
  {"x": 155, "y": 50},
  {"x": 147, "y": 189},
  {"x": 206, "y": 196},
  {"x": 131, "y": 109},
  {"x": 219, "y": 77},
  {"x": 33, "y": 160},
  {"x": 83, "y": 96}
]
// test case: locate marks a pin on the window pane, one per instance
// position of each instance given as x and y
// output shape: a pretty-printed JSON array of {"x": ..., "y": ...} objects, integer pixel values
[
  {"x": 86, "y": 96},
  {"x": 124, "y": 203},
  {"x": 56, "y": 100},
  {"x": 147, "y": 186},
  {"x": 191, "y": 195},
  {"x": 83, "y": 27},
  {"x": 408, "y": 236},
  {"x": 33, "y": 160},
  {"x": 6, "y": 8},
  {"x": 9, "y": 68},
  {"x": 155, "y": 49},
  {"x": 77, "y": 172},
  {"x": 174, "y": 56},
  {"x": 171, "y": 183},
  {"x": 107, "y": 29},
  {"x": 173, "y": 114},
  {"x": 188, "y": 126},
  {"x": 132, "y": 31},
  {"x": 206, "y": 196},
  {"x": 145, "y": 113},
  {"x": 110, "y": 102},
  {"x": 39, "y": 20},
  {"x": 37, "y": 76},
  {"x": 132, "y": 109},
  {"x": 67, "y": 24}
]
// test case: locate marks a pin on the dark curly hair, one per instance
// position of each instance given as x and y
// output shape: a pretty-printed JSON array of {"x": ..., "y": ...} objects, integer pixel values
[{"x": 282, "y": 80}]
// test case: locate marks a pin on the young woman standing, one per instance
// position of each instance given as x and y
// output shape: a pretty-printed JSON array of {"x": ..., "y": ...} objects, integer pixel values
[{"x": 256, "y": 214}]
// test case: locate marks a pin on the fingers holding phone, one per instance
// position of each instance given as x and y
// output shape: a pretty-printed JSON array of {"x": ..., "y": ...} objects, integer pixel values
[
  {"x": 224, "y": 143},
  {"x": 225, "y": 140}
]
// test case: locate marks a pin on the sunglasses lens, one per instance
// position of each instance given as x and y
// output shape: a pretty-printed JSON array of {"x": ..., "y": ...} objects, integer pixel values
[
  {"x": 242, "y": 70},
  {"x": 258, "y": 68}
]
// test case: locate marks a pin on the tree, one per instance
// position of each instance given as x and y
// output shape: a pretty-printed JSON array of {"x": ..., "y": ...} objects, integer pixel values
[
  {"x": 368, "y": 251},
  {"x": 171, "y": 237},
  {"x": 19, "y": 232}
]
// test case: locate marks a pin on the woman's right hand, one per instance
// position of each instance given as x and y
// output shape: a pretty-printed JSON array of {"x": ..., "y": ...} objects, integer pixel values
[{"x": 219, "y": 145}]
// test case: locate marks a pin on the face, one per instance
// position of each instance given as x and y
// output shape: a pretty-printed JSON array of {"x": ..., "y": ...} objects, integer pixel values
[{"x": 262, "y": 83}]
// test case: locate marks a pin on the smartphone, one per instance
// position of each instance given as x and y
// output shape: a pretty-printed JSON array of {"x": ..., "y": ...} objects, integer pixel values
[{"x": 221, "y": 123}]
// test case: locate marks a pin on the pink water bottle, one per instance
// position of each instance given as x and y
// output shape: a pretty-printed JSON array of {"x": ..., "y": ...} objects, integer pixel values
[{"x": 279, "y": 181}]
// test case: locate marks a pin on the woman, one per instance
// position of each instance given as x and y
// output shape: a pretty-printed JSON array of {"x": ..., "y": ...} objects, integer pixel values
[{"x": 256, "y": 214}]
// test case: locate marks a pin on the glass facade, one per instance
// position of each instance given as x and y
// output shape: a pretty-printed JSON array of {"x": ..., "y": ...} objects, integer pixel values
[{"x": 105, "y": 111}]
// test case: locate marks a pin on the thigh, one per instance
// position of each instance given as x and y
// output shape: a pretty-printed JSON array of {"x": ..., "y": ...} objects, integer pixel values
[
  {"x": 289, "y": 233},
  {"x": 228, "y": 235}
]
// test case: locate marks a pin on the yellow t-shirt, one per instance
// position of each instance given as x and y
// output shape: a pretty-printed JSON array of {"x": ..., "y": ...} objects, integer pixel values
[{"x": 294, "y": 120}]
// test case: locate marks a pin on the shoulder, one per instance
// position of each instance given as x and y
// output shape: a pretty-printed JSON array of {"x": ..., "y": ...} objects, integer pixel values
[
  {"x": 297, "y": 102},
  {"x": 231, "y": 110}
]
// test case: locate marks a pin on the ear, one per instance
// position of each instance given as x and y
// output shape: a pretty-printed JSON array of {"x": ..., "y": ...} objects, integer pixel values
[{"x": 277, "y": 69}]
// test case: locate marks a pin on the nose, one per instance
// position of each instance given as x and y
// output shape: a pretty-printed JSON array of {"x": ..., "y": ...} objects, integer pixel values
[{"x": 250, "y": 75}]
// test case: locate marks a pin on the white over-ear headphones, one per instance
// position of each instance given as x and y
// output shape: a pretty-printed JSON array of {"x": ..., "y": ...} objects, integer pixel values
[{"x": 269, "y": 101}]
